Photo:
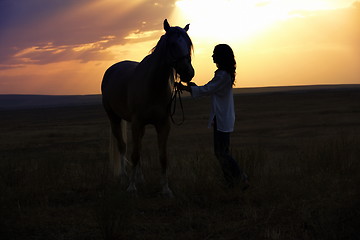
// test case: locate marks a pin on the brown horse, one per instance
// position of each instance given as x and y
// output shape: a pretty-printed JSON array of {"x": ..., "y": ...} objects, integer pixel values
[{"x": 140, "y": 93}]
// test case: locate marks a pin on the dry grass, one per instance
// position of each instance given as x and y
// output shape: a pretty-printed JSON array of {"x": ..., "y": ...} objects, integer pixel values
[{"x": 301, "y": 152}]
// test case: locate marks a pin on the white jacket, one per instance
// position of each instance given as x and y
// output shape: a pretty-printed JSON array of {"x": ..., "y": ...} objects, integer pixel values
[{"x": 222, "y": 101}]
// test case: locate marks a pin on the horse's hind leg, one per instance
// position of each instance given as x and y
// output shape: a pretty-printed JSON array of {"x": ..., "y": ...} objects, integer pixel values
[
  {"x": 163, "y": 133},
  {"x": 138, "y": 131},
  {"x": 117, "y": 163}
]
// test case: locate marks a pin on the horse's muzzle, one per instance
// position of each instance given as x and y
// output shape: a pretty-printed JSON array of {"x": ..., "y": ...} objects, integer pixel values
[
  {"x": 186, "y": 75},
  {"x": 184, "y": 68}
]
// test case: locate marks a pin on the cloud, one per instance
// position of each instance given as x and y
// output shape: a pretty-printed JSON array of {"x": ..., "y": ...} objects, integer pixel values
[
  {"x": 49, "y": 52},
  {"x": 40, "y": 31}
]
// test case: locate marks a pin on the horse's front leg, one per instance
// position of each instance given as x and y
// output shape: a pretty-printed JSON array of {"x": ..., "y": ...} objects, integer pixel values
[
  {"x": 138, "y": 130},
  {"x": 163, "y": 134}
]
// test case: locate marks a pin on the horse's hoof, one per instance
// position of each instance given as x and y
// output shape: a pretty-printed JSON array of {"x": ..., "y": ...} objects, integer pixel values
[
  {"x": 167, "y": 193},
  {"x": 132, "y": 189}
]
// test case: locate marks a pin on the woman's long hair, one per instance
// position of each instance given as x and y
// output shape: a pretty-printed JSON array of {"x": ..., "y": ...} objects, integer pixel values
[{"x": 225, "y": 59}]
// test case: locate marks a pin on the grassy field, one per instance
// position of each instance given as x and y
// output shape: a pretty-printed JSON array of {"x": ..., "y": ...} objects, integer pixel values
[{"x": 300, "y": 149}]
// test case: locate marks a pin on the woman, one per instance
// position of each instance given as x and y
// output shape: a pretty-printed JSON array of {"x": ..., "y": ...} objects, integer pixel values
[{"x": 222, "y": 115}]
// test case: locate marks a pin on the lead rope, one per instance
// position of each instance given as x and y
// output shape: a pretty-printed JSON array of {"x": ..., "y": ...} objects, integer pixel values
[{"x": 176, "y": 92}]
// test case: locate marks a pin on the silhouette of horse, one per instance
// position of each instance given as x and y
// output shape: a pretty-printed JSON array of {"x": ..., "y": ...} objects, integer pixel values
[{"x": 140, "y": 93}]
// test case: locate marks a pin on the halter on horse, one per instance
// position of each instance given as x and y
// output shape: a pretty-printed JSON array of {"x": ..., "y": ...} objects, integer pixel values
[{"x": 140, "y": 93}]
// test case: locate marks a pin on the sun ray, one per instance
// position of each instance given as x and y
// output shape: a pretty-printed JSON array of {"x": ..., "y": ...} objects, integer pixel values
[{"x": 236, "y": 21}]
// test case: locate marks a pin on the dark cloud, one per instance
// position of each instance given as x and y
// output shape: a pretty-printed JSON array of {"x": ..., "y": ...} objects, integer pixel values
[
  {"x": 67, "y": 24},
  {"x": 23, "y": 13}
]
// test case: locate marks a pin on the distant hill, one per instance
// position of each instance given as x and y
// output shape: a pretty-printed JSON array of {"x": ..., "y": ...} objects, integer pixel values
[
  {"x": 41, "y": 101},
  {"x": 45, "y": 101}
]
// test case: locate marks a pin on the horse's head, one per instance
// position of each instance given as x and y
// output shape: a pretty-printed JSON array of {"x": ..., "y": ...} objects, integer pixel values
[{"x": 179, "y": 47}]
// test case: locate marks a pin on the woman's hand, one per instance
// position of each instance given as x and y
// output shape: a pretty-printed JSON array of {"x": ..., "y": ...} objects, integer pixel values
[{"x": 182, "y": 87}]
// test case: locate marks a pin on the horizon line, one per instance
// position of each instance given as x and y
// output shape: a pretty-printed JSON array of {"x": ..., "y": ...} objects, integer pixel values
[{"x": 237, "y": 88}]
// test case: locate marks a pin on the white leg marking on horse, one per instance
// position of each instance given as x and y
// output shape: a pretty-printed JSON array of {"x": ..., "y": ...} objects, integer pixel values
[
  {"x": 132, "y": 188},
  {"x": 123, "y": 173}
]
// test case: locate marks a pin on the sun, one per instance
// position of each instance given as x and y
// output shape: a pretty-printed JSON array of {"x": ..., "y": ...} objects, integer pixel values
[
  {"x": 252, "y": 29},
  {"x": 237, "y": 20},
  {"x": 228, "y": 20}
]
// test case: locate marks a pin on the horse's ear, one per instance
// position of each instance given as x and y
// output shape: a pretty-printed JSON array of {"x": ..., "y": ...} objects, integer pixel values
[
  {"x": 166, "y": 25},
  {"x": 186, "y": 28}
]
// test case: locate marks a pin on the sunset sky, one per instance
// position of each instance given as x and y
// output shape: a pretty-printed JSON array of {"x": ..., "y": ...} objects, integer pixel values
[{"x": 65, "y": 46}]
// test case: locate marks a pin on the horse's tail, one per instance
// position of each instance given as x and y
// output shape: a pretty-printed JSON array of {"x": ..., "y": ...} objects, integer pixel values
[{"x": 117, "y": 159}]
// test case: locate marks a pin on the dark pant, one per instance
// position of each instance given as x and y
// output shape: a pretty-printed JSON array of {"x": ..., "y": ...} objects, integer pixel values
[{"x": 230, "y": 167}]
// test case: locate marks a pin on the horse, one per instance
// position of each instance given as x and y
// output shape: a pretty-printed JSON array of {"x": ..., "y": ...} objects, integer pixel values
[{"x": 140, "y": 93}]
